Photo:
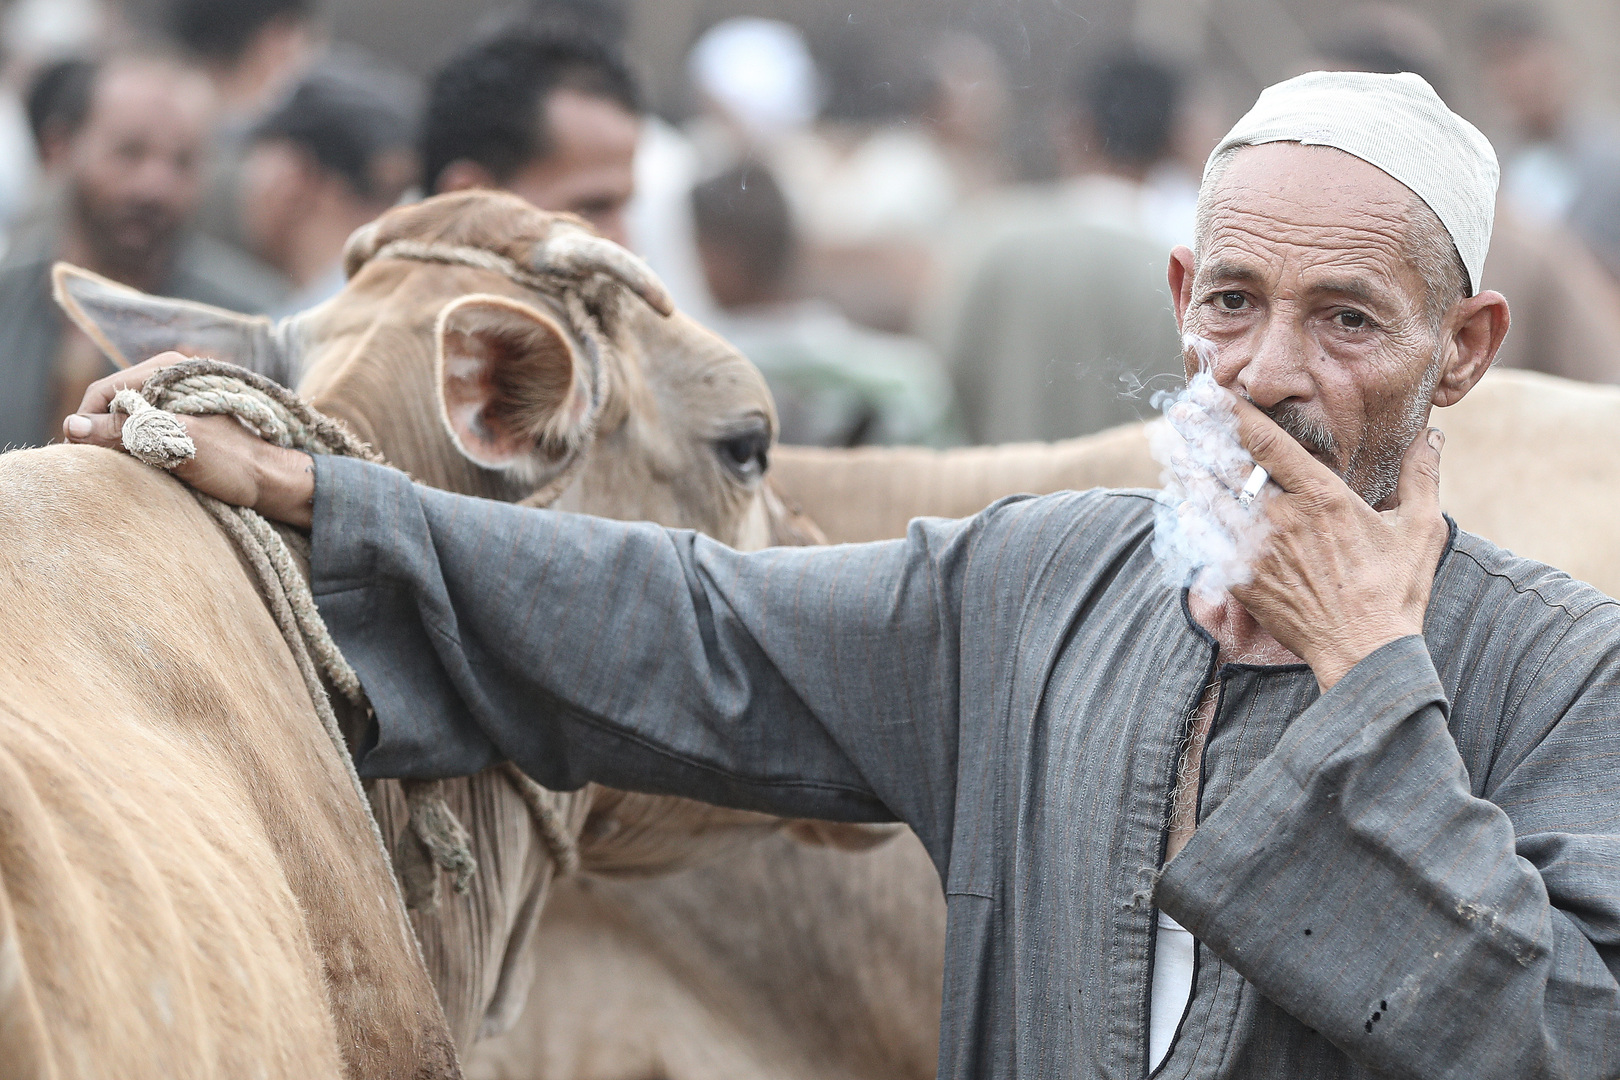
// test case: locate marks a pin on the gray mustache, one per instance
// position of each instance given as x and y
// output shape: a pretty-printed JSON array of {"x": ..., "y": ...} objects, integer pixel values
[{"x": 1306, "y": 430}]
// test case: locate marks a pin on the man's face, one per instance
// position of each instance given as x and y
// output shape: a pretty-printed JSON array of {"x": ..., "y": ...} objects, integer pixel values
[
  {"x": 135, "y": 168},
  {"x": 1317, "y": 315},
  {"x": 590, "y": 169}
]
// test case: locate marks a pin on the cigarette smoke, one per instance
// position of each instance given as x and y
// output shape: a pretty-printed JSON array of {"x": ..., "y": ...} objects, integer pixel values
[{"x": 1202, "y": 536}]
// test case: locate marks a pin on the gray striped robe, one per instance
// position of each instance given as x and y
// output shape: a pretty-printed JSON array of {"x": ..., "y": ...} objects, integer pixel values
[{"x": 1415, "y": 875}]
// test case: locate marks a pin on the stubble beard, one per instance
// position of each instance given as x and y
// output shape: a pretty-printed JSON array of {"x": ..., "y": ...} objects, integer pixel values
[
  {"x": 1374, "y": 469},
  {"x": 145, "y": 251}
]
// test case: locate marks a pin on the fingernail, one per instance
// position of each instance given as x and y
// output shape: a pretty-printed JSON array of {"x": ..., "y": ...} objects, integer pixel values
[
  {"x": 1437, "y": 439},
  {"x": 78, "y": 426}
]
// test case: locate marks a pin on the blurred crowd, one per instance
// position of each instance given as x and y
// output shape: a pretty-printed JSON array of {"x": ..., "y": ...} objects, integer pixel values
[{"x": 853, "y": 217}]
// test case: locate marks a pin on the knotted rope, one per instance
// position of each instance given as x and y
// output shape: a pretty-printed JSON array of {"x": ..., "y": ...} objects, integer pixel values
[{"x": 435, "y": 840}]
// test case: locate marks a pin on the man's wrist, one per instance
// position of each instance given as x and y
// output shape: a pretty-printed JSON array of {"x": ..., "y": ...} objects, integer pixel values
[
  {"x": 285, "y": 486},
  {"x": 1333, "y": 663}
]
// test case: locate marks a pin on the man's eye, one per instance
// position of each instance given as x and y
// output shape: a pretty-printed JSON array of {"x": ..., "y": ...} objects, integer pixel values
[
  {"x": 1232, "y": 301},
  {"x": 1351, "y": 320}
]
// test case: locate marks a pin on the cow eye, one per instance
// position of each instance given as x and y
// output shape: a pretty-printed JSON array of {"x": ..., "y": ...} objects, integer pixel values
[{"x": 746, "y": 453}]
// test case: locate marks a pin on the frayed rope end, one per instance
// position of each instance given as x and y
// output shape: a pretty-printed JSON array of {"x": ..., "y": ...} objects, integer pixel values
[{"x": 151, "y": 435}]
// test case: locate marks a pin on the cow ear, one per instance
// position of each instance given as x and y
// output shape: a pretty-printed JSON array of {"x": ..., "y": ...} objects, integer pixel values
[
  {"x": 129, "y": 326},
  {"x": 512, "y": 389}
]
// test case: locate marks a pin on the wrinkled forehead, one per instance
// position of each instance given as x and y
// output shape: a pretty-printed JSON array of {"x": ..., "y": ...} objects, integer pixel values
[{"x": 1306, "y": 206}]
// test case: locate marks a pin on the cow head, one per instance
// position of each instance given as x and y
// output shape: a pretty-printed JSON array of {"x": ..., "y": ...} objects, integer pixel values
[
  {"x": 554, "y": 368},
  {"x": 546, "y": 364}
]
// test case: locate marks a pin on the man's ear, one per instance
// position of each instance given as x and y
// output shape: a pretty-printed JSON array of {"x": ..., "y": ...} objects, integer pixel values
[
  {"x": 129, "y": 326},
  {"x": 512, "y": 390},
  {"x": 1181, "y": 281},
  {"x": 1480, "y": 325}
]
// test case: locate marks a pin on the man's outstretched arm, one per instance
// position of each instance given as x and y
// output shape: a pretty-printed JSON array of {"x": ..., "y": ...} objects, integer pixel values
[
  {"x": 806, "y": 682},
  {"x": 802, "y": 681}
]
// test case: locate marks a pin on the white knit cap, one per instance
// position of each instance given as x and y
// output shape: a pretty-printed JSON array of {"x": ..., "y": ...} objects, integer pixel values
[{"x": 1397, "y": 123}]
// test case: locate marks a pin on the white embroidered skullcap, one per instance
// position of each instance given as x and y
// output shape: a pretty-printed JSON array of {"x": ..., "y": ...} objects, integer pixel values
[{"x": 1397, "y": 123}]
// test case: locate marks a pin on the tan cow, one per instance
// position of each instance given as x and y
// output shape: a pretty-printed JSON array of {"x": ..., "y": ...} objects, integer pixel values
[
  {"x": 491, "y": 349},
  {"x": 777, "y": 961},
  {"x": 189, "y": 886}
]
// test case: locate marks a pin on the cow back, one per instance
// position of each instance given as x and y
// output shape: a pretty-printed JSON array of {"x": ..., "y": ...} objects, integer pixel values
[{"x": 190, "y": 884}]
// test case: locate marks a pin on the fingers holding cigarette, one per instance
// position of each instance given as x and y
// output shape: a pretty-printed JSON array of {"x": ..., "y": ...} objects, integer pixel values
[{"x": 1252, "y": 486}]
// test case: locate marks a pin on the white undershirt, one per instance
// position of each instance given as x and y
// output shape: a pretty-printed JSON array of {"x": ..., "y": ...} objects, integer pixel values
[{"x": 1172, "y": 986}]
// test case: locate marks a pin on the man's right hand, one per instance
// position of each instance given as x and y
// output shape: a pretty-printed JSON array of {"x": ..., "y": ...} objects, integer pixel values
[{"x": 232, "y": 464}]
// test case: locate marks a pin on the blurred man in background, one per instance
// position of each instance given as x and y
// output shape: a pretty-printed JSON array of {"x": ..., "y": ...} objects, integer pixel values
[
  {"x": 1563, "y": 163},
  {"x": 835, "y": 383},
  {"x": 34, "y": 35},
  {"x": 1059, "y": 324},
  {"x": 874, "y": 145},
  {"x": 336, "y": 153},
  {"x": 131, "y": 179},
  {"x": 548, "y": 113},
  {"x": 1120, "y": 134},
  {"x": 55, "y": 103},
  {"x": 1565, "y": 305},
  {"x": 658, "y": 217},
  {"x": 252, "y": 52}
]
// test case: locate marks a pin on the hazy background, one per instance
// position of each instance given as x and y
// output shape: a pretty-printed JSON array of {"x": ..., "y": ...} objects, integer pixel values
[{"x": 926, "y": 221}]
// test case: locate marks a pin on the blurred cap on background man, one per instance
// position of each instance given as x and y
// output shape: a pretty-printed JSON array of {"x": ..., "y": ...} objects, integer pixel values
[{"x": 758, "y": 74}]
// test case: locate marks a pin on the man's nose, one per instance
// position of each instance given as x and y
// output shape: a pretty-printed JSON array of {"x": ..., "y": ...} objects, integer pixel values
[
  {"x": 154, "y": 179},
  {"x": 1275, "y": 369}
]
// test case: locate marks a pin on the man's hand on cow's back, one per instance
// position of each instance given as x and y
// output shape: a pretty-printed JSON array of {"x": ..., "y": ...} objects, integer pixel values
[
  {"x": 232, "y": 464},
  {"x": 1336, "y": 579}
]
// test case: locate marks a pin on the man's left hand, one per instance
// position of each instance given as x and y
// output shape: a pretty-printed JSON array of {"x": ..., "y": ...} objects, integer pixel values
[
  {"x": 1337, "y": 579},
  {"x": 232, "y": 463}
]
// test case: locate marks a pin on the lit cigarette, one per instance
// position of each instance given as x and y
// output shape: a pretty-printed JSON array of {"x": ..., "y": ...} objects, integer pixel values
[{"x": 1251, "y": 487}]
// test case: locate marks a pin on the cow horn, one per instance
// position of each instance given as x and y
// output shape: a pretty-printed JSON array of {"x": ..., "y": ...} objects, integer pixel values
[
  {"x": 359, "y": 248},
  {"x": 577, "y": 253}
]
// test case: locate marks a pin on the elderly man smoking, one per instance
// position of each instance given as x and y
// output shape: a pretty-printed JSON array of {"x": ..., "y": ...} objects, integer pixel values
[{"x": 1376, "y": 784}]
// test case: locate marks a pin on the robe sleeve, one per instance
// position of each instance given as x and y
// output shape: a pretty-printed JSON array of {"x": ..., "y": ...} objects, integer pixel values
[
  {"x": 807, "y": 682},
  {"x": 1356, "y": 880}
]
